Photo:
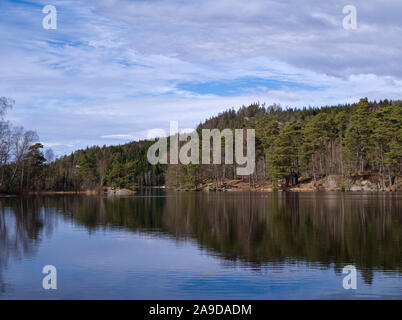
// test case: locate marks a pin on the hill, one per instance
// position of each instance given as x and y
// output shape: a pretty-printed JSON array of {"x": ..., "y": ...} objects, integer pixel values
[{"x": 346, "y": 141}]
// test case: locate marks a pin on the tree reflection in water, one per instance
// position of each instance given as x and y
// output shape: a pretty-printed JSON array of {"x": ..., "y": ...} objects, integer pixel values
[
  {"x": 253, "y": 230},
  {"x": 22, "y": 224}
]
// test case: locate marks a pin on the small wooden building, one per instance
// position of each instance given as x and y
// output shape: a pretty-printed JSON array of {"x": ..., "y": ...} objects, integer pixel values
[{"x": 292, "y": 179}]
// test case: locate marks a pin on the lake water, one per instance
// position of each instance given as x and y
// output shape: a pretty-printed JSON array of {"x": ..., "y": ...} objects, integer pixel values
[{"x": 167, "y": 245}]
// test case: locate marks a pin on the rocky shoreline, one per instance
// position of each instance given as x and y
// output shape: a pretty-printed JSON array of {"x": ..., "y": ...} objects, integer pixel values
[{"x": 328, "y": 183}]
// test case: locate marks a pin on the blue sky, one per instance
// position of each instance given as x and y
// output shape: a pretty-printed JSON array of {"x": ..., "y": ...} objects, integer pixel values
[{"x": 114, "y": 69}]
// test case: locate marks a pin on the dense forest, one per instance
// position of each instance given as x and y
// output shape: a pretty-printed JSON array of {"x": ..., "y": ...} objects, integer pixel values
[{"x": 362, "y": 139}]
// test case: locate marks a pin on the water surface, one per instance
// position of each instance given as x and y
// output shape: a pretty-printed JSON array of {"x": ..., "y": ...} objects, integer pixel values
[{"x": 167, "y": 245}]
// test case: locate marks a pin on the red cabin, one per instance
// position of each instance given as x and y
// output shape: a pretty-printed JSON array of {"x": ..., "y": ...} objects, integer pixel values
[{"x": 292, "y": 179}]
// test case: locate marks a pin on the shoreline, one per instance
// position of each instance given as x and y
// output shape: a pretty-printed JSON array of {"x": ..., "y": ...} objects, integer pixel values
[
  {"x": 331, "y": 183},
  {"x": 325, "y": 184}
]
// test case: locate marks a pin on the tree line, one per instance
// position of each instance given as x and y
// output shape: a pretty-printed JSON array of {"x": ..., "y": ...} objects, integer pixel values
[
  {"x": 362, "y": 139},
  {"x": 21, "y": 157},
  {"x": 25, "y": 166}
]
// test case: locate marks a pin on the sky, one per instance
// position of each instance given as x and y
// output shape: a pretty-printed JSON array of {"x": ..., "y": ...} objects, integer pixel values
[{"x": 113, "y": 70}]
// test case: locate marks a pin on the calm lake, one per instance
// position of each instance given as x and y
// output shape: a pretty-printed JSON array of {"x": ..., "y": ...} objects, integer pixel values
[{"x": 168, "y": 245}]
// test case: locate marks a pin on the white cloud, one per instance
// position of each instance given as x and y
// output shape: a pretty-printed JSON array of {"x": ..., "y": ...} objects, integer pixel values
[{"x": 119, "y": 136}]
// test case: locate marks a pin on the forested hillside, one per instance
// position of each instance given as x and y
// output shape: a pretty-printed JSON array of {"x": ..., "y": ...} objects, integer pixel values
[
  {"x": 360, "y": 139},
  {"x": 348, "y": 140}
]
